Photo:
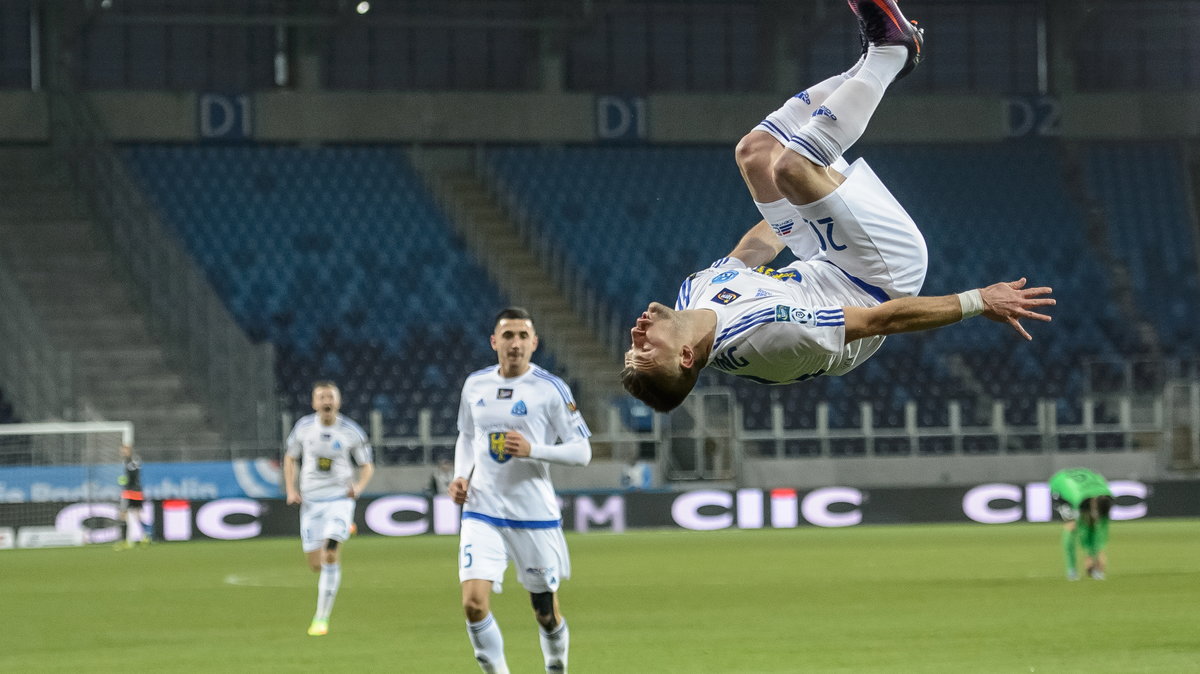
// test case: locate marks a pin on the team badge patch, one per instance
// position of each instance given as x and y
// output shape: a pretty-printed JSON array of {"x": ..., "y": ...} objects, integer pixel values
[
  {"x": 496, "y": 447},
  {"x": 519, "y": 409},
  {"x": 725, "y": 296},
  {"x": 504, "y": 394},
  {"x": 724, "y": 276}
]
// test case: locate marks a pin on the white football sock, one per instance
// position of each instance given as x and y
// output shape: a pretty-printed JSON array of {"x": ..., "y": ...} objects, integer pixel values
[
  {"x": 554, "y": 646},
  {"x": 841, "y": 121},
  {"x": 489, "y": 645},
  {"x": 784, "y": 218},
  {"x": 133, "y": 527},
  {"x": 327, "y": 589}
]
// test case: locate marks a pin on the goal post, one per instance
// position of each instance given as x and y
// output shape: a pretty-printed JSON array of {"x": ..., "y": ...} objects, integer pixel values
[{"x": 48, "y": 469}]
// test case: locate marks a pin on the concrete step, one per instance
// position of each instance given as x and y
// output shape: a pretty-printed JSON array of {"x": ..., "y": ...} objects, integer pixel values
[
  {"x": 175, "y": 413},
  {"x": 56, "y": 204},
  {"x": 55, "y": 229},
  {"x": 79, "y": 263},
  {"x": 158, "y": 385}
]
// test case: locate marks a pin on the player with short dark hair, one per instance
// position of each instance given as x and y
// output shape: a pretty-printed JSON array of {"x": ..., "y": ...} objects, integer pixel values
[
  {"x": 328, "y": 447},
  {"x": 1084, "y": 501},
  {"x": 861, "y": 259},
  {"x": 514, "y": 419}
]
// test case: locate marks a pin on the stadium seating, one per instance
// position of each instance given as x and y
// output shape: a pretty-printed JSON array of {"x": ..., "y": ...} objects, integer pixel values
[
  {"x": 989, "y": 212},
  {"x": 1143, "y": 192},
  {"x": 340, "y": 258}
]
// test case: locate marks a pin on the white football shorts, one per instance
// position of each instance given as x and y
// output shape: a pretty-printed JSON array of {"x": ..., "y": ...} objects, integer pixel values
[
  {"x": 324, "y": 520},
  {"x": 540, "y": 555},
  {"x": 861, "y": 228}
]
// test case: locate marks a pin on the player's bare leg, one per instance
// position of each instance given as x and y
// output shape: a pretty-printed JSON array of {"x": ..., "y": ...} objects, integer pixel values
[
  {"x": 894, "y": 49},
  {"x": 482, "y": 629},
  {"x": 327, "y": 562},
  {"x": 554, "y": 634},
  {"x": 758, "y": 150}
]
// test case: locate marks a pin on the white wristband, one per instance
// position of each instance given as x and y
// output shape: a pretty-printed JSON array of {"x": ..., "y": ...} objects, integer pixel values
[{"x": 971, "y": 303}]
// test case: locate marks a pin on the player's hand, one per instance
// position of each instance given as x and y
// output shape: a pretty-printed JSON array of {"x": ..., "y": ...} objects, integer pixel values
[
  {"x": 516, "y": 444},
  {"x": 1009, "y": 302},
  {"x": 293, "y": 497},
  {"x": 458, "y": 490},
  {"x": 352, "y": 491}
]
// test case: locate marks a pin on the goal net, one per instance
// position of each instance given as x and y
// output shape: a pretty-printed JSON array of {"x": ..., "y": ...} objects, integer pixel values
[{"x": 60, "y": 479}]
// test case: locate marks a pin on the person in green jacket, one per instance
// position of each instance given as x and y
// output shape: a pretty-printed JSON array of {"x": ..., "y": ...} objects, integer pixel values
[{"x": 1083, "y": 500}]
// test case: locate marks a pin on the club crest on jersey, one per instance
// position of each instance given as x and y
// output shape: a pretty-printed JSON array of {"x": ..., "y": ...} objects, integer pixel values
[
  {"x": 519, "y": 409},
  {"x": 724, "y": 276},
  {"x": 504, "y": 394},
  {"x": 337, "y": 445},
  {"x": 496, "y": 447},
  {"x": 725, "y": 296}
]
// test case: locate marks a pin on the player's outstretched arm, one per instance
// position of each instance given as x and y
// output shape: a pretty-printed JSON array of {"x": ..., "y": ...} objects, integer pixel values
[
  {"x": 1003, "y": 302},
  {"x": 759, "y": 246}
]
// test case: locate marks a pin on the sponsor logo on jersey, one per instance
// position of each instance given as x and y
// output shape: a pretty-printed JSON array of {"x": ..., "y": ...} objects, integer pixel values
[
  {"x": 760, "y": 293},
  {"x": 326, "y": 436},
  {"x": 519, "y": 409},
  {"x": 786, "y": 314},
  {"x": 496, "y": 447},
  {"x": 725, "y": 296},
  {"x": 724, "y": 276},
  {"x": 780, "y": 274},
  {"x": 504, "y": 394},
  {"x": 480, "y": 403}
]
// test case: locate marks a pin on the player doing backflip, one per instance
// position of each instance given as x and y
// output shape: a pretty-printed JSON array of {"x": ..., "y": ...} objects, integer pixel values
[{"x": 861, "y": 259}]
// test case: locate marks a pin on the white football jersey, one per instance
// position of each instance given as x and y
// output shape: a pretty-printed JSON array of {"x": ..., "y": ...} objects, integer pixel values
[
  {"x": 325, "y": 453},
  {"x": 506, "y": 490},
  {"x": 781, "y": 326}
]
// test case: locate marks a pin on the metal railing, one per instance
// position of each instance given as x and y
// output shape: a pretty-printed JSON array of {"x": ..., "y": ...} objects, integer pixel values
[
  {"x": 37, "y": 379},
  {"x": 233, "y": 377},
  {"x": 1169, "y": 425}
]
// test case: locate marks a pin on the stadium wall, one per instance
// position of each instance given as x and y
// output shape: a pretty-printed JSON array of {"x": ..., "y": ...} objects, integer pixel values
[{"x": 292, "y": 116}]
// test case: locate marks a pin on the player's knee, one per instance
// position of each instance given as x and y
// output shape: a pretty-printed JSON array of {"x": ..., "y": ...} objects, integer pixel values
[
  {"x": 330, "y": 554},
  {"x": 753, "y": 153},
  {"x": 475, "y": 608},
  {"x": 543, "y": 606},
  {"x": 790, "y": 168}
]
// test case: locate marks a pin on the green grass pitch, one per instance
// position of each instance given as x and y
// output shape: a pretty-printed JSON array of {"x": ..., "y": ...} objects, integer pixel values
[{"x": 945, "y": 598}]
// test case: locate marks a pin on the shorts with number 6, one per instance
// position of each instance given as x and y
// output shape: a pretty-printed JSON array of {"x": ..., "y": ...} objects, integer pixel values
[
  {"x": 324, "y": 520},
  {"x": 540, "y": 555}
]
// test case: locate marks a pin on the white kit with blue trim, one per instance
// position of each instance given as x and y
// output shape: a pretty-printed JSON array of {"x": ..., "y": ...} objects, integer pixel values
[
  {"x": 781, "y": 326},
  {"x": 508, "y": 491}
]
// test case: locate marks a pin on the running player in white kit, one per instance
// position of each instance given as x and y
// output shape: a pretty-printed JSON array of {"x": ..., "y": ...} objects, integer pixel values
[
  {"x": 328, "y": 447},
  {"x": 861, "y": 259},
  {"x": 514, "y": 419}
]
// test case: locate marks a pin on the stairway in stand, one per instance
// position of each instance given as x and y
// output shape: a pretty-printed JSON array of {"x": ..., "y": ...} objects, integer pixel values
[{"x": 70, "y": 275}]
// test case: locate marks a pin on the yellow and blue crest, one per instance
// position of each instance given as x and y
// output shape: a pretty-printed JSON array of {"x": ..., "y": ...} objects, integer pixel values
[{"x": 496, "y": 447}]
